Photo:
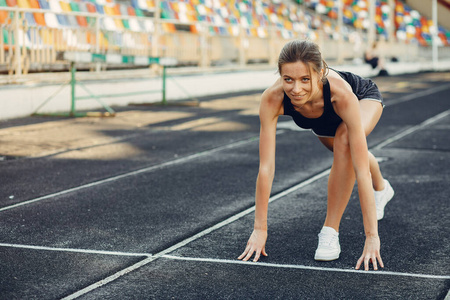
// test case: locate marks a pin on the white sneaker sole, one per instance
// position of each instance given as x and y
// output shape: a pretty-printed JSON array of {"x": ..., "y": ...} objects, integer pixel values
[{"x": 328, "y": 256}]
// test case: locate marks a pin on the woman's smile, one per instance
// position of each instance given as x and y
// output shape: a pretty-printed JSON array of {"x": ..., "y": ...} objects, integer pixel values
[{"x": 298, "y": 96}]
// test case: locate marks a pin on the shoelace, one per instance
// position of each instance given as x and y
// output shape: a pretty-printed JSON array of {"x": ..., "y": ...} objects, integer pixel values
[{"x": 326, "y": 239}]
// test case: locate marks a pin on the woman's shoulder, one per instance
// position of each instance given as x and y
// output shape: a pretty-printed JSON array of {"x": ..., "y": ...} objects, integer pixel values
[
  {"x": 338, "y": 85},
  {"x": 275, "y": 92},
  {"x": 272, "y": 97},
  {"x": 341, "y": 91},
  {"x": 271, "y": 104}
]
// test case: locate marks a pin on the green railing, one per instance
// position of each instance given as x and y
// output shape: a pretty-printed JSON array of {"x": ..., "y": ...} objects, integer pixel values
[{"x": 75, "y": 57}]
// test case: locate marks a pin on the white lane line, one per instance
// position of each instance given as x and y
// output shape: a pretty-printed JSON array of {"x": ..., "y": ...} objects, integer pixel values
[
  {"x": 209, "y": 230},
  {"x": 448, "y": 296},
  {"x": 412, "y": 129},
  {"x": 143, "y": 170},
  {"x": 412, "y": 96},
  {"x": 241, "y": 214},
  {"x": 109, "y": 279},
  {"x": 200, "y": 154},
  {"x": 197, "y": 236},
  {"x": 303, "y": 267},
  {"x": 194, "y": 237},
  {"x": 86, "y": 251}
]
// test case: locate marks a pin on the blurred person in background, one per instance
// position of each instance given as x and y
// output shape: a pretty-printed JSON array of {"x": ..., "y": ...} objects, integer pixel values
[{"x": 372, "y": 57}]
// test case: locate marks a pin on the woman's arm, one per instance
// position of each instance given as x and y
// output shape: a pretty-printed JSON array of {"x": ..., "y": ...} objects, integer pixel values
[
  {"x": 269, "y": 111},
  {"x": 348, "y": 108}
]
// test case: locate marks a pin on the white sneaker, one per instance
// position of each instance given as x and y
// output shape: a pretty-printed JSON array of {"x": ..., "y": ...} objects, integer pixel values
[
  {"x": 328, "y": 248},
  {"x": 382, "y": 198}
]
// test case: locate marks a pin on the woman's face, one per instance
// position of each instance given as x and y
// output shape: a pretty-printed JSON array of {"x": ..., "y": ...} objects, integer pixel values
[{"x": 299, "y": 82}]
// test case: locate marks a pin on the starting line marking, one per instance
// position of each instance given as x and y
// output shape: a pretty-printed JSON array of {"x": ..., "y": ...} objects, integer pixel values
[
  {"x": 193, "y": 238},
  {"x": 303, "y": 267},
  {"x": 226, "y": 222},
  {"x": 86, "y": 251},
  {"x": 149, "y": 258}
]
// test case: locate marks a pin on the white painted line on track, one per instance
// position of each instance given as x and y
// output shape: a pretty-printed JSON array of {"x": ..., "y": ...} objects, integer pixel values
[
  {"x": 303, "y": 267},
  {"x": 109, "y": 279},
  {"x": 448, "y": 296},
  {"x": 229, "y": 221},
  {"x": 242, "y": 214},
  {"x": 206, "y": 152},
  {"x": 86, "y": 251},
  {"x": 136, "y": 172},
  {"x": 412, "y": 96},
  {"x": 412, "y": 129},
  {"x": 165, "y": 252},
  {"x": 195, "y": 237}
]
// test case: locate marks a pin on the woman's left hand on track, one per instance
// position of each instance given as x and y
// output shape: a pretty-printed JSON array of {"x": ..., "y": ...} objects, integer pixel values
[
  {"x": 256, "y": 244},
  {"x": 371, "y": 253}
]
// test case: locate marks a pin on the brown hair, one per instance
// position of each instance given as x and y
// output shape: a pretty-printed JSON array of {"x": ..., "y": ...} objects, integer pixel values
[{"x": 304, "y": 51}]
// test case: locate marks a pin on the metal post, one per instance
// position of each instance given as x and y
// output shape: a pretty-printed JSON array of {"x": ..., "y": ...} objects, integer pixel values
[
  {"x": 340, "y": 55},
  {"x": 164, "y": 100},
  {"x": 156, "y": 34},
  {"x": 391, "y": 29},
  {"x": 17, "y": 55},
  {"x": 242, "y": 46},
  {"x": 371, "y": 29},
  {"x": 97, "y": 41},
  {"x": 204, "y": 47},
  {"x": 435, "y": 34},
  {"x": 73, "y": 86}
]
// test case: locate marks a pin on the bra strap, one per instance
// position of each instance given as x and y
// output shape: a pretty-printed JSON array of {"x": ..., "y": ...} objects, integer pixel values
[{"x": 327, "y": 94}]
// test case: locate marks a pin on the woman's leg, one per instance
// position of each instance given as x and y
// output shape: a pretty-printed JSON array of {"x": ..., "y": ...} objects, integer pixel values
[
  {"x": 342, "y": 176},
  {"x": 341, "y": 179}
]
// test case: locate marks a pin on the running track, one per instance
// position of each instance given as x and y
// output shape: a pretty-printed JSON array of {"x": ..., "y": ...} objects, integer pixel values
[{"x": 159, "y": 203}]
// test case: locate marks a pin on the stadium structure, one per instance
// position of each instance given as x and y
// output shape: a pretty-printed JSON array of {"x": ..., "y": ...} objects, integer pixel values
[{"x": 45, "y": 35}]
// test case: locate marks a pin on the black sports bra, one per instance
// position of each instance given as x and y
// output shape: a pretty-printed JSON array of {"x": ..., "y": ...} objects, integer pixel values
[{"x": 325, "y": 125}]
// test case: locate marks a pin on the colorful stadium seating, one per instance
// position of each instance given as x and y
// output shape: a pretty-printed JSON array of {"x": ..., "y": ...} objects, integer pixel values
[
  {"x": 410, "y": 26},
  {"x": 223, "y": 16}
]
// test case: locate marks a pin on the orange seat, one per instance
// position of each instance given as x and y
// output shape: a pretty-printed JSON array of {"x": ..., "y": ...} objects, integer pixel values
[
  {"x": 131, "y": 11},
  {"x": 169, "y": 27},
  {"x": 11, "y": 3},
  {"x": 39, "y": 17},
  {"x": 91, "y": 7},
  {"x": 4, "y": 17}
]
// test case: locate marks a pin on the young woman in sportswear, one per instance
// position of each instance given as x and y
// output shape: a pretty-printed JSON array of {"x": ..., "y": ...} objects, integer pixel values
[{"x": 341, "y": 109}]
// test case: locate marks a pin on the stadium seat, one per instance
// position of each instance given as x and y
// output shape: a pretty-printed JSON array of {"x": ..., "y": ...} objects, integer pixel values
[
  {"x": 28, "y": 16},
  {"x": 11, "y": 3},
  {"x": 81, "y": 20},
  {"x": 55, "y": 7},
  {"x": 72, "y": 20},
  {"x": 39, "y": 17},
  {"x": 5, "y": 17}
]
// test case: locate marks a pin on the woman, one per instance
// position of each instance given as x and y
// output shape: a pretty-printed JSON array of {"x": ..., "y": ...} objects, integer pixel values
[{"x": 341, "y": 109}]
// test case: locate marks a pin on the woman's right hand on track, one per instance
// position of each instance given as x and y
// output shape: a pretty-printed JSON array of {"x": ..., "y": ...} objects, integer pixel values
[{"x": 256, "y": 244}]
